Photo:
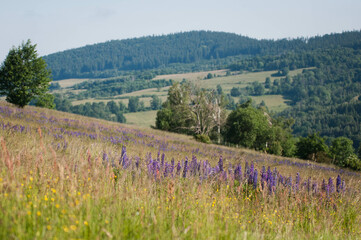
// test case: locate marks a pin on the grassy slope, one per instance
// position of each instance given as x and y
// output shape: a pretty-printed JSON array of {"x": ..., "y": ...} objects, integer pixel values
[{"x": 55, "y": 183}]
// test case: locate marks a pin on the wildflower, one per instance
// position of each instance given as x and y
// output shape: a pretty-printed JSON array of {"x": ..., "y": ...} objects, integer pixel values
[
  {"x": 330, "y": 185},
  {"x": 220, "y": 164},
  {"x": 185, "y": 168},
  {"x": 86, "y": 223},
  {"x": 255, "y": 175},
  {"x": 338, "y": 183},
  {"x": 297, "y": 181}
]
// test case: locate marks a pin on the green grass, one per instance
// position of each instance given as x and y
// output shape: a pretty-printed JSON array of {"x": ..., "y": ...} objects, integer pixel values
[
  {"x": 143, "y": 119},
  {"x": 55, "y": 184}
]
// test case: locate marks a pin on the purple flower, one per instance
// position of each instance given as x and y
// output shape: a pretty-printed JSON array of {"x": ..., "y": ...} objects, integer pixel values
[
  {"x": 330, "y": 185},
  {"x": 297, "y": 181},
  {"x": 255, "y": 176},
  {"x": 220, "y": 164},
  {"x": 185, "y": 168},
  {"x": 338, "y": 183},
  {"x": 323, "y": 186}
]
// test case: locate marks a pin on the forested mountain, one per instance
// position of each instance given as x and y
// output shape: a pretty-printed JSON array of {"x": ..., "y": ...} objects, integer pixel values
[{"x": 109, "y": 58}]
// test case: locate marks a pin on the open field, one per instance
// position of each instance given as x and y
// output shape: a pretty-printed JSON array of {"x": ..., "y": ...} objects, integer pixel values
[
  {"x": 193, "y": 76},
  {"x": 143, "y": 119},
  {"x": 69, "y": 177},
  {"x": 71, "y": 82},
  {"x": 275, "y": 103}
]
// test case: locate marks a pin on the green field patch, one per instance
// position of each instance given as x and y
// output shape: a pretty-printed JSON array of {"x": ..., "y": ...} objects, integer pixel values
[
  {"x": 66, "y": 83},
  {"x": 143, "y": 119},
  {"x": 193, "y": 76},
  {"x": 275, "y": 103}
]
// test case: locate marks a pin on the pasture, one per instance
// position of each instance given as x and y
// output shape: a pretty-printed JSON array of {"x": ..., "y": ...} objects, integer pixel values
[{"x": 65, "y": 176}]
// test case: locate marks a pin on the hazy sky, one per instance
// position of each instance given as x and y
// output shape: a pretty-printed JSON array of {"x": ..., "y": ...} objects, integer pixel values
[{"x": 60, "y": 25}]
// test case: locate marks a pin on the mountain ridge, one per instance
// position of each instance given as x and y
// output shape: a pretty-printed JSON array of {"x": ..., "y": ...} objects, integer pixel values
[{"x": 109, "y": 58}]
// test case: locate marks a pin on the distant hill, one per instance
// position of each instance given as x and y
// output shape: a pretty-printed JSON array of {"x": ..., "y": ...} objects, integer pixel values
[{"x": 107, "y": 59}]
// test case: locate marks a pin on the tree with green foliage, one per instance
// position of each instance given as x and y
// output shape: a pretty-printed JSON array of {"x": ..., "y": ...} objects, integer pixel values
[
  {"x": 133, "y": 104},
  {"x": 235, "y": 92},
  {"x": 247, "y": 126},
  {"x": 193, "y": 111},
  {"x": 155, "y": 103},
  {"x": 312, "y": 147},
  {"x": 23, "y": 75},
  {"x": 46, "y": 101},
  {"x": 341, "y": 148},
  {"x": 267, "y": 83},
  {"x": 209, "y": 76}
]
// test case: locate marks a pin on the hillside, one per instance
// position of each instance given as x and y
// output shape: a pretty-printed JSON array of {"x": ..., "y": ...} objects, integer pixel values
[
  {"x": 198, "y": 49},
  {"x": 68, "y": 176}
]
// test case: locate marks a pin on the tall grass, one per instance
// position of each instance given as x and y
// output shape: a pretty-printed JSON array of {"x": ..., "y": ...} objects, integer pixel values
[{"x": 67, "y": 177}]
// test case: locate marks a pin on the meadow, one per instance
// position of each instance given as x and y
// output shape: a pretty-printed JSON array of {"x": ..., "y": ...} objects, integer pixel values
[{"x": 65, "y": 176}]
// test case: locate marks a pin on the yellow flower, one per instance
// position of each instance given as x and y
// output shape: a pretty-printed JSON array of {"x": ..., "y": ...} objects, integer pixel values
[
  {"x": 66, "y": 229},
  {"x": 46, "y": 198},
  {"x": 38, "y": 213},
  {"x": 48, "y": 227},
  {"x": 106, "y": 221},
  {"x": 57, "y": 206},
  {"x": 73, "y": 227},
  {"x": 53, "y": 190},
  {"x": 86, "y": 223}
]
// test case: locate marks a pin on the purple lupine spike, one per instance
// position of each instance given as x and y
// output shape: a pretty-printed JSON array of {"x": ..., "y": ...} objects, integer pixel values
[
  {"x": 314, "y": 187},
  {"x": 331, "y": 185},
  {"x": 255, "y": 176},
  {"x": 124, "y": 151},
  {"x": 275, "y": 176},
  {"x": 270, "y": 183},
  {"x": 238, "y": 173},
  {"x": 162, "y": 161},
  {"x": 172, "y": 167},
  {"x": 178, "y": 168},
  {"x": 297, "y": 181},
  {"x": 166, "y": 170},
  {"x": 220, "y": 164},
  {"x": 323, "y": 186},
  {"x": 263, "y": 172},
  {"x": 338, "y": 183},
  {"x": 185, "y": 168},
  {"x": 137, "y": 162},
  {"x": 269, "y": 173}
]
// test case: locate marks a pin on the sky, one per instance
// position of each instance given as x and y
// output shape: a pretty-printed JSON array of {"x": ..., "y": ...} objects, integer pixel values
[{"x": 60, "y": 25}]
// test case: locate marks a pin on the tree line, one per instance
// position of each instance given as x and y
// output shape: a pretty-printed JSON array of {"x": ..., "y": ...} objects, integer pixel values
[{"x": 112, "y": 57}]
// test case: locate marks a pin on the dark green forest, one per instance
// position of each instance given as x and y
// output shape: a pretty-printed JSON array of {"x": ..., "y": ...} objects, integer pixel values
[{"x": 205, "y": 48}]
